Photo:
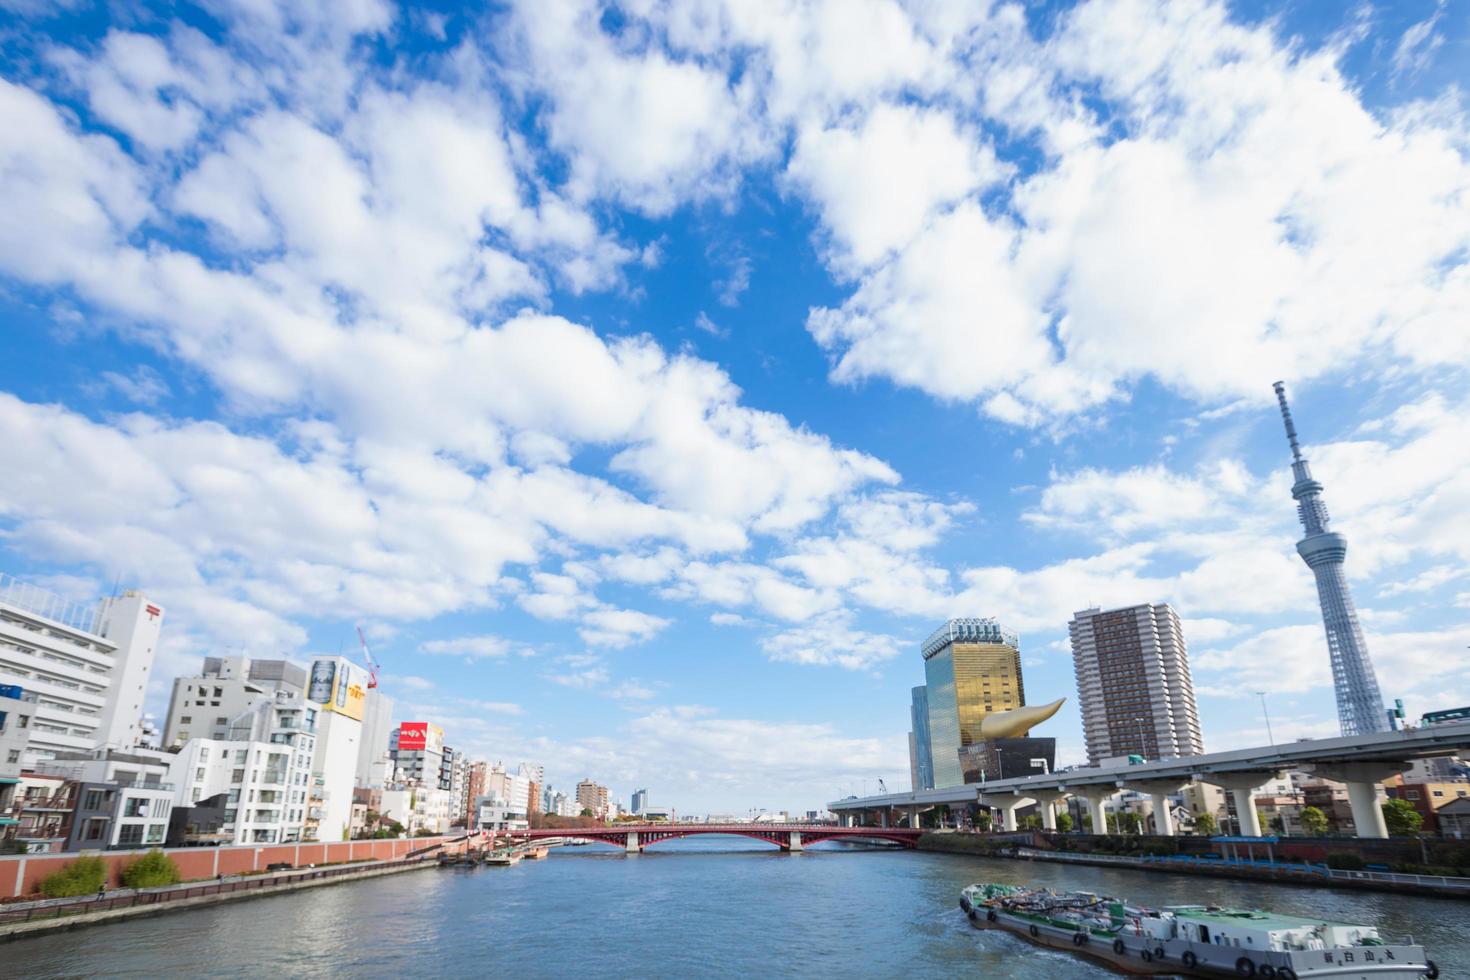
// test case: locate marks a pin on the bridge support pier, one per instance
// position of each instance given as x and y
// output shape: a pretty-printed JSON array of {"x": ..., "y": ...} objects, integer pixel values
[
  {"x": 633, "y": 846},
  {"x": 794, "y": 844},
  {"x": 1046, "y": 802},
  {"x": 1007, "y": 805},
  {"x": 1242, "y": 787},
  {"x": 1096, "y": 796},
  {"x": 1362, "y": 779},
  {"x": 1159, "y": 791}
]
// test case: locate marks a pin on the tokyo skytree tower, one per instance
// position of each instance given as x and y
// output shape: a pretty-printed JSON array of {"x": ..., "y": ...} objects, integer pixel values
[{"x": 1359, "y": 705}]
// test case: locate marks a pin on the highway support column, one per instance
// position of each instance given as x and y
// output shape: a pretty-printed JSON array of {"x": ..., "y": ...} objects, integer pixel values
[
  {"x": 1362, "y": 779},
  {"x": 1242, "y": 787}
]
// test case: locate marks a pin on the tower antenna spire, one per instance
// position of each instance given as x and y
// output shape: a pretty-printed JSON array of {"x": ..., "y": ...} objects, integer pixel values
[
  {"x": 1359, "y": 703},
  {"x": 1296, "y": 450}
]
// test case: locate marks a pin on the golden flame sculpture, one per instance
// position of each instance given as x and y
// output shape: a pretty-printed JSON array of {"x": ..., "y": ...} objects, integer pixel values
[{"x": 1017, "y": 722}]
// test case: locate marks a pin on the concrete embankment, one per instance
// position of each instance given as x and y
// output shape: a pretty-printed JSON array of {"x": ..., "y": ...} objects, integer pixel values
[
  {"x": 49, "y": 918},
  {"x": 1017, "y": 847}
]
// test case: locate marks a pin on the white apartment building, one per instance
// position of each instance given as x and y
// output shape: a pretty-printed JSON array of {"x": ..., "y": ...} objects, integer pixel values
[
  {"x": 264, "y": 769},
  {"x": 420, "y": 808},
  {"x": 87, "y": 664},
  {"x": 125, "y": 800},
  {"x": 1133, "y": 683},
  {"x": 204, "y": 705}
]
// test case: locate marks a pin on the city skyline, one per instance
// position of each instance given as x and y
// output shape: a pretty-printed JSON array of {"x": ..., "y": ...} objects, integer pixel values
[{"x": 655, "y": 460}]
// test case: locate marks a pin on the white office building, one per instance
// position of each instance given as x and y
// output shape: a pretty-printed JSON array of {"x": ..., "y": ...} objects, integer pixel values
[
  {"x": 339, "y": 687},
  {"x": 374, "y": 766},
  {"x": 1133, "y": 684},
  {"x": 87, "y": 664},
  {"x": 203, "y": 706},
  {"x": 264, "y": 769}
]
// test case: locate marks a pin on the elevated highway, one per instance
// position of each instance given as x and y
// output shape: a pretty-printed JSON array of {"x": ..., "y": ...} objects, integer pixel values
[{"x": 1360, "y": 762}]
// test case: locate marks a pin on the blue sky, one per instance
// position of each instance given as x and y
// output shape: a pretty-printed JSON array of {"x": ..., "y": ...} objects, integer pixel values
[{"x": 649, "y": 380}]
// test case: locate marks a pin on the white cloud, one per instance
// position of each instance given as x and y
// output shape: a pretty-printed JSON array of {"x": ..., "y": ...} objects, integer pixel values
[
  {"x": 469, "y": 647},
  {"x": 832, "y": 642}
]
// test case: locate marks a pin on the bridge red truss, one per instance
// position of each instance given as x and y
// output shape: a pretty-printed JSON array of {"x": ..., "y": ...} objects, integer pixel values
[{"x": 784, "y": 836}]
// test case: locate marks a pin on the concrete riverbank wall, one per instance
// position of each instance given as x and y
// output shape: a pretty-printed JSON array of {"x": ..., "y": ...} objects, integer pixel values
[
  {"x": 21, "y": 874},
  {"x": 35, "y": 919},
  {"x": 1034, "y": 847}
]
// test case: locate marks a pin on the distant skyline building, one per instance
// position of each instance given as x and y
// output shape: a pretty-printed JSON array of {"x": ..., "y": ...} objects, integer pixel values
[
  {"x": 1133, "y": 683},
  {"x": 1359, "y": 703},
  {"x": 921, "y": 749},
  {"x": 972, "y": 667},
  {"x": 640, "y": 801},
  {"x": 592, "y": 796}
]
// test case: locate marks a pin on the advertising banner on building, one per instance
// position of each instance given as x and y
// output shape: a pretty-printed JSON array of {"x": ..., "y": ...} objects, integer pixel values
[
  {"x": 419, "y": 736},
  {"x": 340, "y": 686},
  {"x": 323, "y": 681},
  {"x": 413, "y": 736}
]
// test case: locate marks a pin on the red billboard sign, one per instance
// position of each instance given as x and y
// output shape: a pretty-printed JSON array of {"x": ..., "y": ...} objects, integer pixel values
[{"x": 413, "y": 735}]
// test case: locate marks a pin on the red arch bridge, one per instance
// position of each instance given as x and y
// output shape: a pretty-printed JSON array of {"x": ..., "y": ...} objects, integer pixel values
[{"x": 789, "y": 837}]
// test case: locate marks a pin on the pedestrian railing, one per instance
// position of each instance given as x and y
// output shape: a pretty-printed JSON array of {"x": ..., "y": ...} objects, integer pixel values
[
  {"x": 1444, "y": 881},
  {"x": 82, "y": 906}
]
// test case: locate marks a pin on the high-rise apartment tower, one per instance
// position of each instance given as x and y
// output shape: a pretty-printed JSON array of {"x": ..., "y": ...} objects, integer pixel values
[
  {"x": 1359, "y": 704},
  {"x": 1133, "y": 683}
]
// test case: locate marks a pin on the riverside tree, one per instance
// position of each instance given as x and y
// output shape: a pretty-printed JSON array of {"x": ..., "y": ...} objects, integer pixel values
[
  {"x": 1314, "y": 821},
  {"x": 84, "y": 876},
  {"x": 1402, "y": 819},
  {"x": 152, "y": 870}
]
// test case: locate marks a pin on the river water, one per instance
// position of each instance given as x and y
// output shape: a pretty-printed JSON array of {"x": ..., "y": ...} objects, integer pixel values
[{"x": 722, "y": 907}]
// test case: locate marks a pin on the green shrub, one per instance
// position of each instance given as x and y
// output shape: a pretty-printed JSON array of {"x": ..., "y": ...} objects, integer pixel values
[
  {"x": 1345, "y": 861},
  {"x": 151, "y": 870},
  {"x": 84, "y": 876}
]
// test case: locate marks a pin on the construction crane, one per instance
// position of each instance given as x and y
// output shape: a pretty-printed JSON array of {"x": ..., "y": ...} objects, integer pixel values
[{"x": 367, "y": 655}]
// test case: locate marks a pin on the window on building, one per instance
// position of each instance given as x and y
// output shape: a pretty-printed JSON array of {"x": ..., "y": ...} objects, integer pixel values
[
  {"x": 25, "y": 721},
  {"x": 219, "y": 692},
  {"x": 135, "y": 806},
  {"x": 1411, "y": 794},
  {"x": 186, "y": 719},
  {"x": 222, "y": 721},
  {"x": 13, "y": 756},
  {"x": 203, "y": 753},
  {"x": 199, "y": 773},
  {"x": 130, "y": 834},
  {"x": 229, "y": 816},
  {"x": 155, "y": 833},
  {"x": 238, "y": 776},
  {"x": 239, "y": 757},
  {"x": 94, "y": 829},
  {"x": 93, "y": 800}
]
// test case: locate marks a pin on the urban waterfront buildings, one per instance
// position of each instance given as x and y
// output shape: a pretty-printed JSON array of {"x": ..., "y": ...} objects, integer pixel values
[
  {"x": 1133, "y": 683},
  {"x": 123, "y": 799},
  {"x": 264, "y": 768},
  {"x": 921, "y": 749},
  {"x": 639, "y": 801},
  {"x": 87, "y": 664},
  {"x": 339, "y": 687},
  {"x": 1359, "y": 703},
  {"x": 204, "y": 705},
  {"x": 592, "y": 796},
  {"x": 971, "y": 667}
]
